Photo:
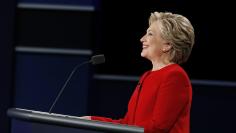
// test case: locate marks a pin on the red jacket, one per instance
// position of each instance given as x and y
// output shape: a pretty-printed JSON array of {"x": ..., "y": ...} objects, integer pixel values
[{"x": 160, "y": 103}]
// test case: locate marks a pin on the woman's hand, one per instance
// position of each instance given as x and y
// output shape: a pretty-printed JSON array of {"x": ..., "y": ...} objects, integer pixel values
[{"x": 85, "y": 117}]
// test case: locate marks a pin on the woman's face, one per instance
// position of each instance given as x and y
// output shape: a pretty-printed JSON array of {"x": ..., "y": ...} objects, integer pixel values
[{"x": 152, "y": 43}]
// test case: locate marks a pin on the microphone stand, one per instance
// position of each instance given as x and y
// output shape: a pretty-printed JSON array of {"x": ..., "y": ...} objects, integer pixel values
[{"x": 65, "y": 84}]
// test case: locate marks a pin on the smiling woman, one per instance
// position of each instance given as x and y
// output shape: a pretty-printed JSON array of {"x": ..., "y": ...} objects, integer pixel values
[{"x": 162, "y": 99}]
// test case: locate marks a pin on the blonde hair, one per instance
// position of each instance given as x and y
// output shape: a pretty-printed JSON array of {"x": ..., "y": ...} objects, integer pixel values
[{"x": 178, "y": 32}]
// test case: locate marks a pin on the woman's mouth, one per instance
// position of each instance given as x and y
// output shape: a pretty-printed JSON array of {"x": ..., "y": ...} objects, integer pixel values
[{"x": 145, "y": 46}]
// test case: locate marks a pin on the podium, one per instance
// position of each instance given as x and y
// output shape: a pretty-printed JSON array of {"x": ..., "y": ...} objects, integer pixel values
[{"x": 45, "y": 119}]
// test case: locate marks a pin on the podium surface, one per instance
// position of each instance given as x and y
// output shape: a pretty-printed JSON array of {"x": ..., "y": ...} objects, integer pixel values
[{"x": 70, "y": 121}]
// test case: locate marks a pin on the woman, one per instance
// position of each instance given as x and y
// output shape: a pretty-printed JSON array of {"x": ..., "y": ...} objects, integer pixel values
[{"x": 162, "y": 100}]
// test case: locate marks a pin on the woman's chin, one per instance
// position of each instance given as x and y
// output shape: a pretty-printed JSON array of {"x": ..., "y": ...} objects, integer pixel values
[{"x": 143, "y": 54}]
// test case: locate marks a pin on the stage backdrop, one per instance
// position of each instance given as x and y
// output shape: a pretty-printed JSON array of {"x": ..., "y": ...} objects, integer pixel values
[{"x": 7, "y": 12}]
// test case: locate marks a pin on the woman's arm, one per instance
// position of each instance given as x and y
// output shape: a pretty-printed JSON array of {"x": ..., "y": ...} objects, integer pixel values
[{"x": 171, "y": 100}]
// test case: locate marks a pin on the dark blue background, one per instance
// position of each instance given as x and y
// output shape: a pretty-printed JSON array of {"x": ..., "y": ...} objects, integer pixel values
[{"x": 7, "y": 15}]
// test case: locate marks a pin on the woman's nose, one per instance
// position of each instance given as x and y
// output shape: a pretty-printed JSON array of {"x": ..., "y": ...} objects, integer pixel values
[{"x": 142, "y": 39}]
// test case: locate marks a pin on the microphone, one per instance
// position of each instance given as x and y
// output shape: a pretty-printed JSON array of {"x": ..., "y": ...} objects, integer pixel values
[{"x": 96, "y": 59}]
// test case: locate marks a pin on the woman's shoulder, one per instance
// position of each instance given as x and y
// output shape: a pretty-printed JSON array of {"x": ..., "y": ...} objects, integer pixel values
[
  {"x": 170, "y": 71},
  {"x": 175, "y": 70}
]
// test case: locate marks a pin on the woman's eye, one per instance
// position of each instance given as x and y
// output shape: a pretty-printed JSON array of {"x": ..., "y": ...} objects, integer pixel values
[{"x": 150, "y": 34}]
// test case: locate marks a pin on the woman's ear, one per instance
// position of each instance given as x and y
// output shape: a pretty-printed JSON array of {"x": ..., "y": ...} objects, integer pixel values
[{"x": 166, "y": 47}]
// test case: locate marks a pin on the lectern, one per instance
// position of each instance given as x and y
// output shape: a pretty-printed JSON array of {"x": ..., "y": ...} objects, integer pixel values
[{"x": 45, "y": 118}]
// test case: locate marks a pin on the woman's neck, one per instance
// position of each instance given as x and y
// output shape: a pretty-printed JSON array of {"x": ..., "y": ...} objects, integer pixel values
[{"x": 160, "y": 64}]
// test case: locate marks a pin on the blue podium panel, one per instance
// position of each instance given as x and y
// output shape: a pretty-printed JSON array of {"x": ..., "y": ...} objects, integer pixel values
[
  {"x": 29, "y": 127},
  {"x": 51, "y": 122}
]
